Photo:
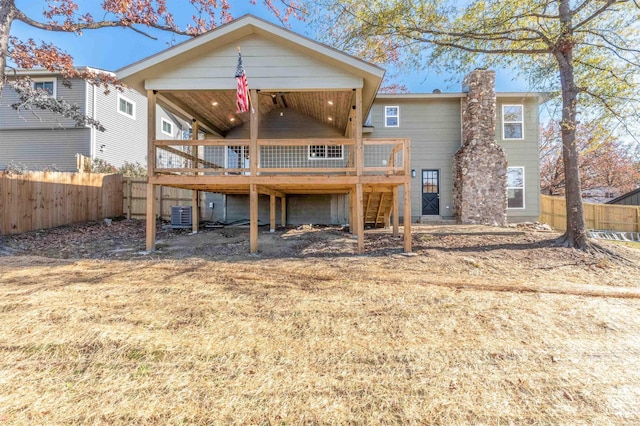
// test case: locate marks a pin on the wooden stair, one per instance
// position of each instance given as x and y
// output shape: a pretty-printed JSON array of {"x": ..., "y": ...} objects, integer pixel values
[{"x": 377, "y": 206}]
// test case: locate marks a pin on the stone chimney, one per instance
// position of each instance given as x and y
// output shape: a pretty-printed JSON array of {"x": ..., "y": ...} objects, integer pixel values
[{"x": 480, "y": 165}]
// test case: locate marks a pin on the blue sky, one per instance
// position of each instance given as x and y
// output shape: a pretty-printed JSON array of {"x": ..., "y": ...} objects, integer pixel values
[{"x": 114, "y": 48}]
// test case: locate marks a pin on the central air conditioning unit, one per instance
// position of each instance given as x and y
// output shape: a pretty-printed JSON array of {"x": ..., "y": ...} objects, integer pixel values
[{"x": 181, "y": 217}]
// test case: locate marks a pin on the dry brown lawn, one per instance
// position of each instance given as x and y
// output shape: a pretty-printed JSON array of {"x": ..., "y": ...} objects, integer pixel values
[{"x": 482, "y": 326}]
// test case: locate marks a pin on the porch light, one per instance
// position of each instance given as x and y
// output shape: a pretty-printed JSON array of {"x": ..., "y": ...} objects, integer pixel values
[
  {"x": 330, "y": 102},
  {"x": 232, "y": 119},
  {"x": 214, "y": 103},
  {"x": 413, "y": 172},
  {"x": 330, "y": 119}
]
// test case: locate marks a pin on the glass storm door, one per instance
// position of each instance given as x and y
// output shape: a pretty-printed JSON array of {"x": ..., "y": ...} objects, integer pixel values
[{"x": 430, "y": 192}]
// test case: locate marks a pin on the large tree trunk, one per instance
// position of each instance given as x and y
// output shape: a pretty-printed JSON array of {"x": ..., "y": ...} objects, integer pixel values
[
  {"x": 575, "y": 235},
  {"x": 7, "y": 12}
]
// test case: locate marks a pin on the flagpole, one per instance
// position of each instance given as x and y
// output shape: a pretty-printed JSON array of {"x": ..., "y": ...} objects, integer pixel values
[{"x": 253, "y": 111}]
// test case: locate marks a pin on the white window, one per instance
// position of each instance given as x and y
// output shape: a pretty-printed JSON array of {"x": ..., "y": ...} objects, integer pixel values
[
  {"x": 325, "y": 152},
  {"x": 46, "y": 84},
  {"x": 512, "y": 122},
  {"x": 515, "y": 187},
  {"x": 391, "y": 116},
  {"x": 126, "y": 106},
  {"x": 167, "y": 127}
]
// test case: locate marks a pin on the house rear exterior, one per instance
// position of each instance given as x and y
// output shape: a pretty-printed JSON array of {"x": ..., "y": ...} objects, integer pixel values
[
  {"x": 304, "y": 152},
  {"x": 42, "y": 139}
]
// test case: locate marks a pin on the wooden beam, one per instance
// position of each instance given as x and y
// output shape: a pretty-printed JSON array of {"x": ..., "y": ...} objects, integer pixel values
[
  {"x": 151, "y": 132},
  {"x": 195, "y": 211},
  {"x": 283, "y": 211},
  {"x": 352, "y": 212},
  {"x": 379, "y": 209},
  {"x": 253, "y": 218},
  {"x": 396, "y": 212},
  {"x": 151, "y": 217},
  {"x": 305, "y": 142},
  {"x": 269, "y": 191},
  {"x": 151, "y": 166},
  {"x": 274, "y": 181},
  {"x": 253, "y": 133},
  {"x": 202, "y": 142},
  {"x": 192, "y": 158},
  {"x": 358, "y": 135},
  {"x": 272, "y": 213},
  {"x": 407, "y": 217},
  {"x": 359, "y": 218},
  {"x": 184, "y": 111}
]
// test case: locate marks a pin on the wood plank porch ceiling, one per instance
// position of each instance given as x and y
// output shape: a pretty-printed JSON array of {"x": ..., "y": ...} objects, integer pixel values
[{"x": 219, "y": 106}]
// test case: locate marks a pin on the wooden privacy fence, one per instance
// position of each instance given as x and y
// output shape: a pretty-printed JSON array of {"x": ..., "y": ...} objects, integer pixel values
[
  {"x": 39, "y": 200},
  {"x": 134, "y": 199},
  {"x": 610, "y": 217}
]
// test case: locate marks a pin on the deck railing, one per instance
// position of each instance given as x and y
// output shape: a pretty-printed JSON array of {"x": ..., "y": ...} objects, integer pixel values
[{"x": 281, "y": 156}]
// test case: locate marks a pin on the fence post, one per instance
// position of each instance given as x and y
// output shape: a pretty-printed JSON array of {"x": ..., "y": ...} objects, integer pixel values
[
  {"x": 129, "y": 190},
  {"x": 638, "y": 219}
]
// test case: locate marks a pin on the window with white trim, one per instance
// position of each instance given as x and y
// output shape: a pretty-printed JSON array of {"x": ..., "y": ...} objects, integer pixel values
[
  {"x": 515, "y": 187},
  {"x": 46, "y": 84},
  {"x": 512, "y": 122},
  {"x": 126, "y": 106},
  {"x": 167, "y": 127},
  {"x": 391, "y": 116},
  {"x": 325, "y": 152}
]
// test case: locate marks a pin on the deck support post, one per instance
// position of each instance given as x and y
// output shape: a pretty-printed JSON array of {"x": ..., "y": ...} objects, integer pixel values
[
  {"x": 352, "y": 212},
  {"x": 272, "y": 213},
  {"x": 359, "y": 218},
  {"x": 396, "y": 212},
  {"x": 151, "y": 168},
  {"x": 358, "y": 135},
  {"x": 253, "y": 133},
  {"x": 407, "y": 217},
  {"x": 283, "y": 211},
  {"x": 253, "y": 218},
  {"x": 151, "y": 217},
  {"x": 195, "y": 211}
]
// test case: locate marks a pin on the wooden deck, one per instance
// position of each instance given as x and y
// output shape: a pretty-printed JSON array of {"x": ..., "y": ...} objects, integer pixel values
[{"x": 369, "y": 170}]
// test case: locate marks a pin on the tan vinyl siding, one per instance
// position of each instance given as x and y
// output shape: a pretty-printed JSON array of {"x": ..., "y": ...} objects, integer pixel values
[
  {"x": 125, "y": 138},
  {"x": 44, "y": 148},
  {"x": 40, "y": 119},
  {"x": 268, "y": 65},
  {"x": 523, "y": 153},
  {"x": 434, "y": 129}
]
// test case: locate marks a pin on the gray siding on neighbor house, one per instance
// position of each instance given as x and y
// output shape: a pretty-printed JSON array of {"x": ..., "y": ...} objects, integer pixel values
[
  {"x": 632, "y": 199},
  {"x": 523, "y": 153},
  {"x": 40, "y": 119},
  {"x": 433, "y": 125},
  {"x": 125, "y": 138},
  {"x": 44, "y": 148}
]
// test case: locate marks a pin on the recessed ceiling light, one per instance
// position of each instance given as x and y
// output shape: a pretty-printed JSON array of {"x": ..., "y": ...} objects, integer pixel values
[
  {"x": 214, "y": 103},
  {"x": 232, "y": 119},
  {"x": 330, "y": 102},
  {"x": 330, "y": 119}
]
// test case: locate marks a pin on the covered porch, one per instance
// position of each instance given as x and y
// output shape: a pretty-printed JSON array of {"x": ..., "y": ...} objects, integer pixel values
[{"x": 303, "y": 133}]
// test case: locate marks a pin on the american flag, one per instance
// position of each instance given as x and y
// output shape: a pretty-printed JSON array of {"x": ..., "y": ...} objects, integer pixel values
[{"x": 242, "y": 96}]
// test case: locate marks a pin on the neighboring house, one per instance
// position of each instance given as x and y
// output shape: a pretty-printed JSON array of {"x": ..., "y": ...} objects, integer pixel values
[
  {"x": 307, "y": 144},
  {"x": 600, "y": 195},
  {"x": 42, "y": 139},
  {"x": 631, "y": 198}
]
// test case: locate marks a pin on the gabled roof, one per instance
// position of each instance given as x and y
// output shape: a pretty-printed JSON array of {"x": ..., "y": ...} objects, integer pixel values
[
  {"x": 623, "y": 196},
  {"x": 135, "y": 74}
]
